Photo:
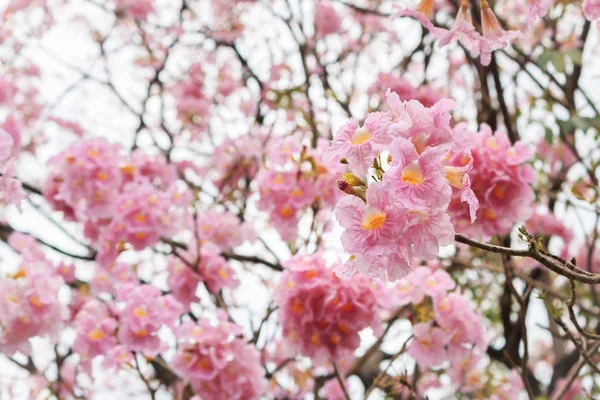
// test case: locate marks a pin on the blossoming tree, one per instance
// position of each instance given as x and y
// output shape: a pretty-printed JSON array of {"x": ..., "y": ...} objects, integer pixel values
[{"x": 290, "y": 199}]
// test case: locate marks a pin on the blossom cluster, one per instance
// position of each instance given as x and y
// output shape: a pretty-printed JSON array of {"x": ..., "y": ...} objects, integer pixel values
[
  {"x": 321, "y": 314},
  {"x": 445, "y": 326},
  {"x": 403, "y": 212},
  {"x": 294, "y": 179},
  {"x": 120, "y": 200},
  {"x": 500, "y": 179},
  {"x": 427, "y": 179},
  {"x": 218, "y": 362},
  {"x": 29, "y": 303}
]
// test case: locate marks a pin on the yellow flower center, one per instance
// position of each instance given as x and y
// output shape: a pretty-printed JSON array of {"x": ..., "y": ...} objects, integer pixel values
[
  {"x": 140, "y": 312},
  {"x": 96, "y": 334},
  {"x": 490, "y": 214},
  {"x": 35, "y": 301},
  {"x": 360, "y": 136},
  {"x": 455, "y": 176},
  {"x": 103, "y": 176},
  {"x": 139, "y": 218},
  {"x": 499, "y": 192},
  {"x": 412, "y": 174},
  {"x": 491, "y": 143},
  {"x": 223, "y": 273},
  {"x": 286, "y": 211},
  {"x": 372, "y": 219}
]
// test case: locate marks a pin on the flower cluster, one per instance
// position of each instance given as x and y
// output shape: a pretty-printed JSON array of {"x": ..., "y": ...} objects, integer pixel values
[
  {"x": 85, "y": 179},
  {"x": 29, "y": 305},
  {"x": 218, "y": 362},
  {"x": 493, "y": 36},
  {"x": 143, "y": 313},
  {"x": 142, "y": 214},
  {"x": 321, "y": 315},
  {"x": 452, "y": 331},
  {"x": 295, "y": 178},
  {"x": 193, "y": 105},
  {"x": 403, "y": 213},
  {"x": 500, "y": 179},
  {"x": 96, "y": 329},
  {"x": 120, "y": 200}
]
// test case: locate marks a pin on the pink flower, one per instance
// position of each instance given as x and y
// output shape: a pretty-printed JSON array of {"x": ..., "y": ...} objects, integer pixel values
[
  {"x": 494, "y": 37},
  {"x": 422, "y": 14},
  {"x": 410, "y": 289},
  {"x": 463, "y": 30},
  {"x": 427, "y": 127},
  {"x": 428, "y": 345},
  {"x": 359, "y": 145},
  {"x": 145, "y": 312},
  {"x": 537, "y": 9},
  {"x": 465, "y": 328},
  {"x": 500, "y": 180},
  {"x": 373, "y": 228},
  {"x": 321, "y": 315},
  {"x": 418, "y": 179},
  {"x": 96, "y": 330},
  {"x": 591, "y": 9},
  {"x": 429, "y": 230},
  {"x": 218, "y": 362},
  {"x": 142, "y": 214},
  {"x": 86, "y": 178},
  {"x": 29, "y": 307},
  {"x": 327, "y": 21}
]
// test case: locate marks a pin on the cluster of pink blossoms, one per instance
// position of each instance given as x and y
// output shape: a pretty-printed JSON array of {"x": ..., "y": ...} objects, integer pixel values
[
  {"x": 295, "y": 178},
  {"x": 130, "y": 325},
  {"x": 320, "y": 314},
  {"x": 493, "y": 36},
  {"x": 218, "y": 362},
  {"x": 119, "y": 200},
  {"x": 424, "y": 176},
  {"x": 403, "y": 214},
  {"x": 29, "y": 304},
  {"x": 500, "y": 179},
  {"x": 193, "y": 105},
  {"x": 453, "y": 332}
]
